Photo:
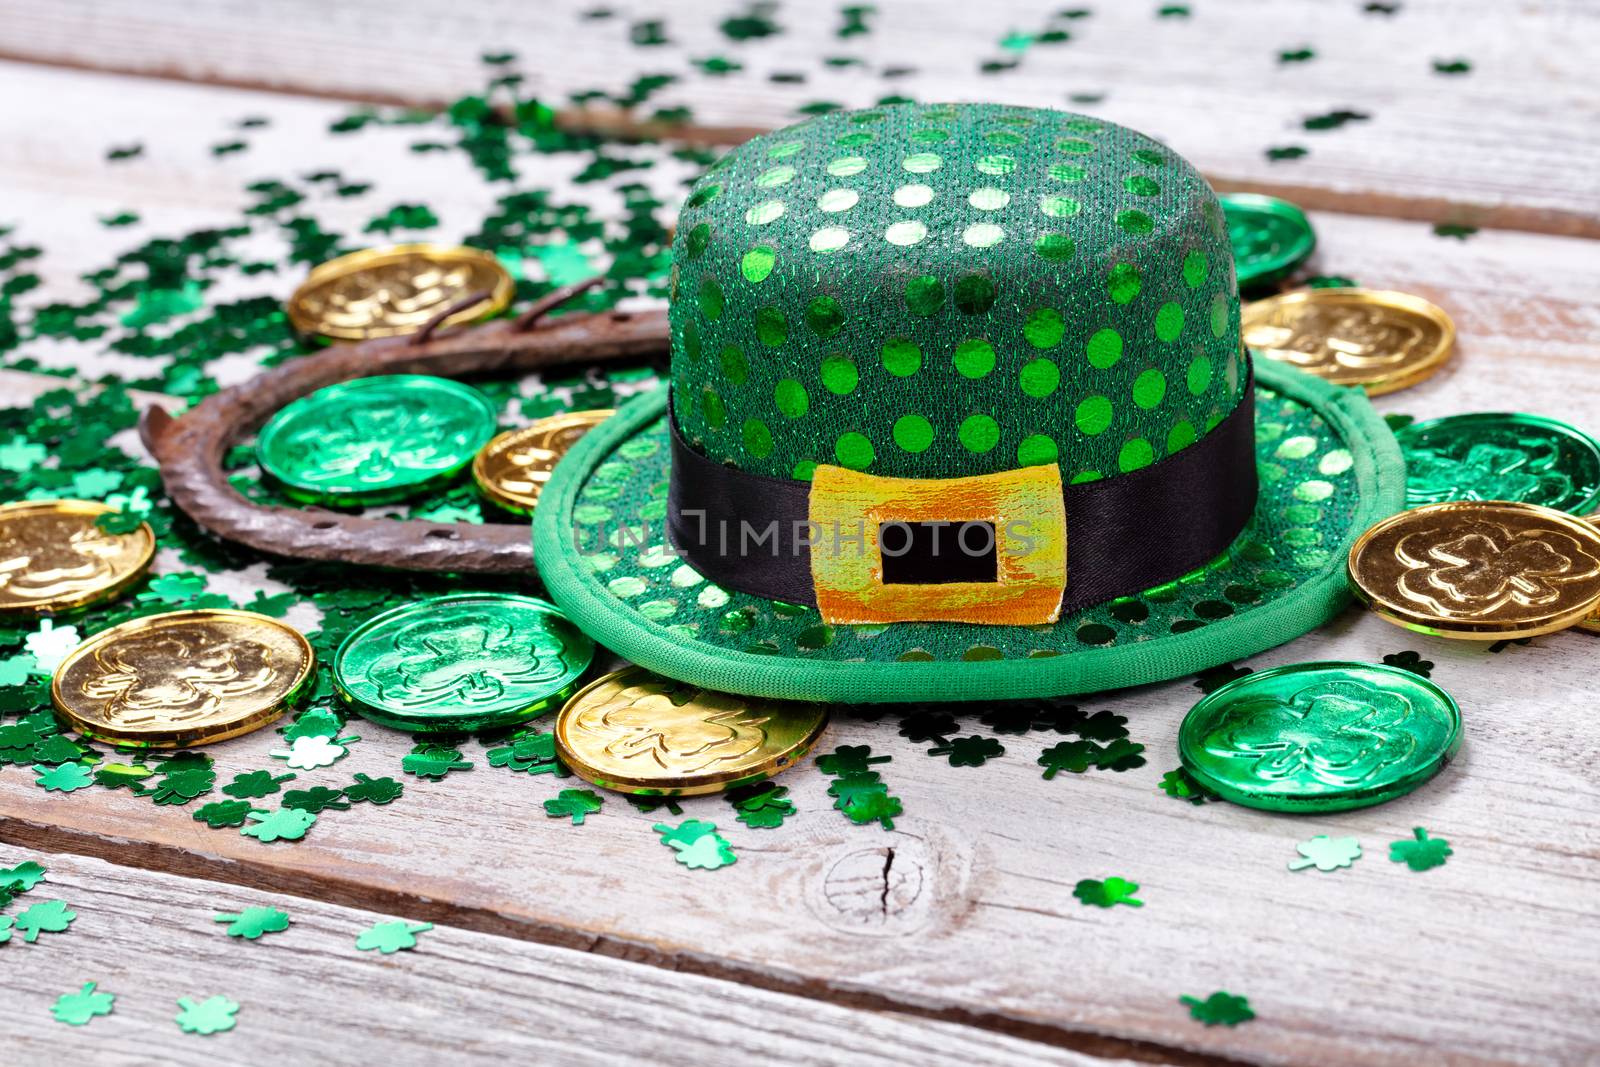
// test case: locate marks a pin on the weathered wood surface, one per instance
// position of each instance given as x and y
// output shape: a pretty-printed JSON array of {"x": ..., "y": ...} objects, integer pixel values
[
  {"x": 308, "y": 996},
  {"x": 964, "y": 911},
  {"x": 1211, "y": 84}
]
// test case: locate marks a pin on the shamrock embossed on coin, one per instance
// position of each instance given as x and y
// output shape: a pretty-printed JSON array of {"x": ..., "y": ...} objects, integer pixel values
[
  {"x": 1501, "y": 456},
  {"x": 373, "y": 440},
  {"x": 182, "y": 678},
  {"x": 1382, "y": 341},
  {"x": 1320, "y": 736},
  {"x": 54, "y": 558},
  {"x": 1479, "y": 570},
  {"x": 469, "y": 661},
  {"x": 634, "y": 731}
]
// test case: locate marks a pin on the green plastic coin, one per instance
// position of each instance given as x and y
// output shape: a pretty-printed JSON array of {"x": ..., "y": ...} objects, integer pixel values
[
  {"x": 1526, "y": 459},
  {"x": 374, "y": 440},
  {"x": 1315, "y": 737},
  {"x": 1270, "y": 236},
  {"x": 452, "y": 664}
]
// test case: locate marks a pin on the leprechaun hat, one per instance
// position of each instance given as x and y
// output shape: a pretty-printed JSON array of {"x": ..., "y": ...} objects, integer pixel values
[{"x": 959, "y": 410}]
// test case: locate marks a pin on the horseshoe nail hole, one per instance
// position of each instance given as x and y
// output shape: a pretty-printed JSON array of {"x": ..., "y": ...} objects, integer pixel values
[
  {"x": 443, "y": 535},
  {"x": 324, "y": 525}
]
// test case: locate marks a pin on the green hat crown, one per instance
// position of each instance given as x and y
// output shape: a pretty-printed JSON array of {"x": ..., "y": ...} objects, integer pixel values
[{"x": 932, "y": 291}]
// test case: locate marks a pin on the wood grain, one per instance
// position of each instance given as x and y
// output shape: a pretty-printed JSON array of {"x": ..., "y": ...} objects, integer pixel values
[
  {"x": 1510, "y": 144},
  {"x": 307, "y": 995}
]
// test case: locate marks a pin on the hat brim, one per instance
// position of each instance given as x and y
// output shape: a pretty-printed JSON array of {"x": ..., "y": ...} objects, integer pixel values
[{"x": 1329, "y": 468}]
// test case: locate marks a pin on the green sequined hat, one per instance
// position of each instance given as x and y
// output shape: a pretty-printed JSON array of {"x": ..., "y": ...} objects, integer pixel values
[{"x": 1017, "y": 324}]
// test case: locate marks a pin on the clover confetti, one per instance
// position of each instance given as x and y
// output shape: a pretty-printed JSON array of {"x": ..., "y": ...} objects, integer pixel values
[
  {"x": 391, "y": 937},
  {"x": 184, "y": 777},
  {"x": 530, "y": 752},
  {"x": 223, "y": 813},
  {"x": 317, "y": 750},
  {"x": 1072, "y": 756},
  {"x": 253, "y": 922},
  {"x": 1326, "y": 853},
  {"x": 433, "y": 761},
  {"x": 23, "y": 876},
  {"x": 573, "y": 803},
  {"x": 1182, "y": 785},
  {"x": 1219, "y": 1009},
  {"x": 972, "y": 751},
  {"x": 50, "y": 644},
  {"x": 1108, "y": 893},
  {"x": 47, "y": 916},
  {"x": 253, "y": 785},
  {"x": 697, "y": 844},
  {"x": 761, "y": 806},
  {"x": 1410, "y": 661},
  {"x": 64, "y": 778},
  {"x": 373, "y": 790},
  {"x": 317, "y": 798},
  {"x": 211, "y": 1016},
  {"x": 285, "y": 824},
  {"x": 121, "y": 775},
  {"x": 76, "y": 1009},
  {"x": 313, "y": 722},
  {"x": 1420, "y": 852},
  {"x": 61, "y": 749}
]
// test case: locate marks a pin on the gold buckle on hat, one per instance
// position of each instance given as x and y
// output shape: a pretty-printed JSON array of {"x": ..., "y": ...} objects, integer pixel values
[{"x": 857, "y": 520}]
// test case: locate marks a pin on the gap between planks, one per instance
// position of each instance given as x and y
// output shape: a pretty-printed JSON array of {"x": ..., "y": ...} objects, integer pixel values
[
  {"x": 161, "y": 858},
  {"x": 623, "y": 126}
]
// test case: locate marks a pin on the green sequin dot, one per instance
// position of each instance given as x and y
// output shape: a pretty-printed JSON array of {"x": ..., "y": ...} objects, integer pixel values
[
  {"x": 982, "y": 235},
  {"x": 854, "y": 450},
  {"x": 839, "y": 375},
  {"x": 1067, "y": 172},
  {"x": 765, "y": 212},
  {"x": 1093, "y": 415},
  {"x": 1104, "y": 348},
  {"x": 758, "y": 263},
  {"x": 791, "y": 398},
  {"x": 974, "y": 357},
  {"x": 1060, "y": 207},
  {"x": 906, "y": 234},
  {"x": 757, "y": 438},
  {"x": 1169, "y": 321},
  {"x": 712, "y": 408},
  {"x": 1039, "y": 377},
  {"x": 922, "y": 163},
  {"x": 974, "y": 294},
  {"x": 825, "y": 316},
  {"x": 995, "y": 165},
  {"x": 772, "y": 328},
  {"x": 1149, "y": 389},
  {"x": 1122, "y": 282},
  {"x": 913, "y": 433},
  {"x": 776, "y": 176},
  {"x": 1135, "y": 454},
  {"x": 829, "y": 239},
  {"x": 1199, "y": 375},
  {"x": 901, "y": 357},
  {"x": 1219, "y": 315},
  {"x": 1045, "y": 328},
  {"x": 1035, "y": 450},
  {"x": 1135, "y": 222},
  {"x": 1140, "y": 185},
  {"x": 835, "y": 200},
  {"x": 711, "y": 299},
  {"x": 912, "y": 195},
  {"x": 735, "y": 368},
  {"x": 1055, "y": 247},
  {"x": 1195, "y": 269},
  {"x": 924, "y": 295},
  {"x": 699, "y": 237},
  {"x": 978, "y": 433},
  {"x": 847, "y": 166},
  {"x": 988, "y": 198}
]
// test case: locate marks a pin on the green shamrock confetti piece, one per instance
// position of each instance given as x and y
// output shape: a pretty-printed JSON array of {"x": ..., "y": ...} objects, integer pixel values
[
  {"x": 1454, "y": 229},
  {"x": 23, "y": 876},
  {"x": 576, "y": 803},
  {"x": 317, "y": 798},
  {"x": 760, "y": 806},
  {"x": 314, "y": 751},
  {"x": 1452, "y": 66},
  {"x": 76, "y": 1009},
  {"x": 1073, "y": 756},
  {"x": 313, "y": 722},
  {"x": 47, "y": 916},
  {"x": 1209, "y": 681},
  {"x": 697, "y": 844},
  {"x": 63, "y": 778},
  {"x": 1182, "y": 785},
  {"x": 877, "y": 806},
  {"x": 373, "y": 790},
  {"x": 529, "y": 751},
  {"x": 1282, "y": 152},
  {"x": 433, "y": 761},
  {"x": 1326, "y": 853},
  {"x": 181, "y": 781},
  {"x": 1119, "y": 755},
  {"x": 973, "y": 751},
  {"x": 1296, "y": 55},
  {"x": 1108, "y": 893},
  {"x": 391, "y": 937},
  {"x": 211, "y": 1016},
  {"x": 252, "y": 785},
  {"x": 1220, "y": 1008},
  {"x": 253, "y": 922},
  {"x": 1103, "y": 726},
  {"x": 50, "y": 645},
  {"x": 121, "y": 775},
  {"x": 61, "y": 749},
  {"x": 848, "y": 759},
  {"x": 223, "y": 813},
  {"x": 285, "y": 824},
  {"x": 1420, "y": 852},
  {"x": 1410, "y": 661}
]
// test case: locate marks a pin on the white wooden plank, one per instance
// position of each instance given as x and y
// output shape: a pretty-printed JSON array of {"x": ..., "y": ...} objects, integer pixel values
[
  {"x": 1507, "y": 144},
  {"x": 307, "y": 995}
]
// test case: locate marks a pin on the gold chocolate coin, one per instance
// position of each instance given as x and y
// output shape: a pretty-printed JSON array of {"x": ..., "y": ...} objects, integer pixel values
[
  {"x": 636, "y": 732},
  {"x": 386, "y": 292},
  {"x": 183, "y": 678},
  {"x": 1479, "y": 570},
  {"x": 1381, "y": 341},
  {"x": 54, "y": 558},
  {"x": 512, "y": 469}
]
